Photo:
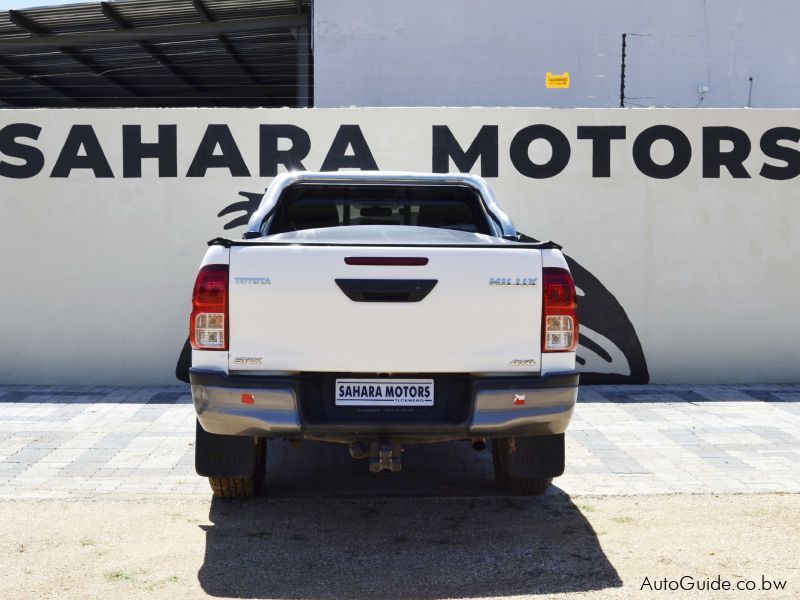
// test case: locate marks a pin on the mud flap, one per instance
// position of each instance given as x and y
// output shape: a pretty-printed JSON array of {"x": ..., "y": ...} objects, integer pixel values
[
  {"x": 539, "y": 456},
  {"x": 223, "y": 455}
]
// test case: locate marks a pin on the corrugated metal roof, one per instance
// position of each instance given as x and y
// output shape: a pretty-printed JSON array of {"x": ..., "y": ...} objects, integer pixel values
[{"x": 125, "y": 53}]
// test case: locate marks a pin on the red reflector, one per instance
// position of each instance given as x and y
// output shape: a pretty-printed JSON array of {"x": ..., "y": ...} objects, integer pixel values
[
  {"x": 559, "y": 291},
  {"x": 212, "y": 291},
  {"x": 248, "y": 399},
  {"x": 395, "y": 261}
]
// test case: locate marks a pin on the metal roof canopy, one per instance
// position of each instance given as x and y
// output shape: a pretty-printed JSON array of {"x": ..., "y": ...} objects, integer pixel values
[{"x": 157, "y": 53}]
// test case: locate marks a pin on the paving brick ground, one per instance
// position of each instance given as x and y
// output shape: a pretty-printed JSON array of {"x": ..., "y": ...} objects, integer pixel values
[{"x": 67, "y": 441}]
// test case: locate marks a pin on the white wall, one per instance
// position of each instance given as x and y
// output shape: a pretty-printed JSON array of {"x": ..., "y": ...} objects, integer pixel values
[
  {"x": 477, "y": 53},
  {"x": 96, "y": 273}
]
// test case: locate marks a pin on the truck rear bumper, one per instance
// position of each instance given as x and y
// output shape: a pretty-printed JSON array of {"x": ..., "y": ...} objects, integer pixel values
[
  {"x": 487, "y": 407},
  {"x": 510, "y": 406}
]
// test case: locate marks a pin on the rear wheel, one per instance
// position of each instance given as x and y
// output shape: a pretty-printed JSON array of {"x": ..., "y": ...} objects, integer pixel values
[
  {"x": 502, "y": 449},
  {"x": 243, "y": 487}
]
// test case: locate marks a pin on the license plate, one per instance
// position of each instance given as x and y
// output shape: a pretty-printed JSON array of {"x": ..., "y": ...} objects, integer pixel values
[{"x": 384, "y": 392}]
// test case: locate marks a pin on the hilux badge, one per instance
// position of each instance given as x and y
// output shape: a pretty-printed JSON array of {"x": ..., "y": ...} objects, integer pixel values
[{"x": 252, "y": 281}]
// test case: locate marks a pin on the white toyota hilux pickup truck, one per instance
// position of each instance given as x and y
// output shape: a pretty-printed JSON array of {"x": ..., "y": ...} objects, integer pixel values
[{"x": 380, "y": 309}]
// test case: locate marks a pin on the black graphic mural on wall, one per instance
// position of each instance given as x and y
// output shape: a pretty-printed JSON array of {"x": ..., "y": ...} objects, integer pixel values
[
  {"x": 247, "y": 207},
  {"x": 609, "y": 351}
]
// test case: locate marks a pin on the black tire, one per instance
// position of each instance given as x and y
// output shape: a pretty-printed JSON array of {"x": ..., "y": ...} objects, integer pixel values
[
  {"x": 517, "y": 486},
  {"x": 243, "y": 487}
]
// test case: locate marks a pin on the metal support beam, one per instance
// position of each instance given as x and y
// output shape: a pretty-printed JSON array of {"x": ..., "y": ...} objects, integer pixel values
[
  {"x": 11, "y": 65},
  {"x": 27, "y": 24},
  {"x": 112, "y": 15},
  {"x": 23, "y": 22},
  {"x": 97, "y": 69},
  {"x": 139, "y": 34},
  {"x": 303, "y": 67},
  {"x": 203, "y": 11}
]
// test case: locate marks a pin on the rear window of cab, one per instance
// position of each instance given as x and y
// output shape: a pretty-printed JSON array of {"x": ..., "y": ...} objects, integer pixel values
[{"x": 314, "y": 206}]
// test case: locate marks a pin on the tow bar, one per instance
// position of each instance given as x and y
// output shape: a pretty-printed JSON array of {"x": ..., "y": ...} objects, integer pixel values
[{"x": 385, "y": 456}]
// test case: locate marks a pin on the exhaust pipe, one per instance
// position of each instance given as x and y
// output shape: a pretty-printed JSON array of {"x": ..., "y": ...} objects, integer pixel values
[
  {"x": 479, "y": 444},
  {"x": 358, "y": 450}
]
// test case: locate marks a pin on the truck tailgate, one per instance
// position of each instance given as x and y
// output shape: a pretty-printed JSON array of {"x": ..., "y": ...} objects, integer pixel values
[{"x": 288, "y": 313}]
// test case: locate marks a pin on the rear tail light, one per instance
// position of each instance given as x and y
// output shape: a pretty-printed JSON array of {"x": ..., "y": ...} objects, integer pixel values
[
  {"x": 559, "y": 311},
  {"x": 208, "y": 325}
]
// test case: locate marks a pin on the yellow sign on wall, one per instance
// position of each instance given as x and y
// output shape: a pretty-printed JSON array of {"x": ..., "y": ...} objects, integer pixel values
[{"x": 558, "y": 81}]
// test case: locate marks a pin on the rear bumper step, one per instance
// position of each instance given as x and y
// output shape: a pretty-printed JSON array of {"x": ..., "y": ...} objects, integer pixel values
[{"x": 287, "y": 407}]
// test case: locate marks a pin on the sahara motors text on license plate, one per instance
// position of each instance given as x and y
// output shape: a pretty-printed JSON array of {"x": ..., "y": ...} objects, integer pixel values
[{"x": 384, "y": 392}]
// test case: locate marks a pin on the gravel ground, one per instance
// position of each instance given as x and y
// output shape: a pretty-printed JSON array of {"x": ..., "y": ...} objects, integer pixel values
[{"x": 396, "y": 547}]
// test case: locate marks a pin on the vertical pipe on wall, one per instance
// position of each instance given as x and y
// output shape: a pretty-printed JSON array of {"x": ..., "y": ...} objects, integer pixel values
[{"x": 622, "y": 74}]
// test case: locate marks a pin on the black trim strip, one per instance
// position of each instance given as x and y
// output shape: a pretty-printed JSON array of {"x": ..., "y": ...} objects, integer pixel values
[
  {"x": 217, "y": 379},
  {"x": 551, "y": 380},
  {"x": 519, "y": 246}
]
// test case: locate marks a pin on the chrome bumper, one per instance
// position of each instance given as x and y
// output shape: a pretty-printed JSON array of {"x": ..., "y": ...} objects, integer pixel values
[
  {"x": 272, "y": 413},
  {"x": 521, "y": 410},
  {"x": 269, "y": 407}
]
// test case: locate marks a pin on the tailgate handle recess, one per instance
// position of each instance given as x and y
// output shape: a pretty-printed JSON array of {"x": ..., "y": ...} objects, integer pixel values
[{"x": 386, "y": 290}]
